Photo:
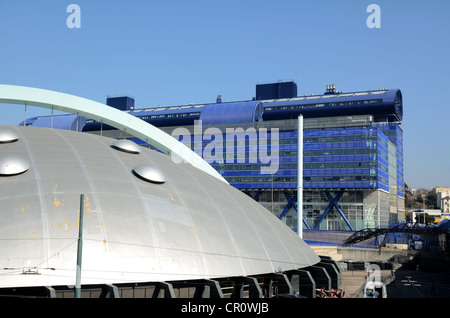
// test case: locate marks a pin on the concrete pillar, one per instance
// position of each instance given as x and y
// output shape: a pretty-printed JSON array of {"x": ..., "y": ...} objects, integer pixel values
[
  {"x": 320, "y": 276},
  {"x": 334, "y": 274},
  {"x": 303, "y": 282},
  {"x": 166, "y": 288},
  {"x": 208, "y": 289}
]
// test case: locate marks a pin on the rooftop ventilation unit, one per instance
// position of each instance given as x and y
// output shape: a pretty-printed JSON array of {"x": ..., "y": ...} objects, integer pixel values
[
  {"x": 331, "y": 89},
  {"x": 277, "y": 90}
]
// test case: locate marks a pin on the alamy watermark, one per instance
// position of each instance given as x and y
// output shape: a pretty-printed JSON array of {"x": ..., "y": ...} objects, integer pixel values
[
  {"x": 374, "y": 283},
  {"x": 235, "y": 145},
  {"x": 374, "y": 19},
  {"x": 74, "y": 19}
]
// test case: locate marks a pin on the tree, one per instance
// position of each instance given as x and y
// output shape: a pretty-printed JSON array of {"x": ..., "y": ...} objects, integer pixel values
[
  {"x": 428, "y": 218},
  {"x": 411, "y": 201},
  {"x": 431, "y": 199},
  {"x": 415, "y": 200}
]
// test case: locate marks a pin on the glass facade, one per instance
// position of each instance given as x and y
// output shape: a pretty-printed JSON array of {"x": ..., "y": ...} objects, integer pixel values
[{"x": 359, "y": 161}]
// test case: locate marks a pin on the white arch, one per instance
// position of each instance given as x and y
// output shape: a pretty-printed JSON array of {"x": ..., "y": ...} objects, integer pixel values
[{"x": 20, "y": 95}]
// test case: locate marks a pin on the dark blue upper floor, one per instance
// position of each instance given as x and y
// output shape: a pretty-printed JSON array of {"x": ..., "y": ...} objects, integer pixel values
[{"x": 383, "y": 105}]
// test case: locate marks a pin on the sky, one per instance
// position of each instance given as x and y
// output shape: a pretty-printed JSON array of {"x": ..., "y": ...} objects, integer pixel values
[{"x": 175, "y": 52}]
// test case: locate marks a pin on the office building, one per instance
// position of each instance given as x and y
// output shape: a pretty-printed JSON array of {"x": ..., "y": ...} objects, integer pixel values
[{"x": 352, "y": 149}]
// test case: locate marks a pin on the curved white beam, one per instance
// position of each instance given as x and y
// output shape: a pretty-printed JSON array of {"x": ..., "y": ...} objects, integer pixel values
[{"x": 20, "y": 95}]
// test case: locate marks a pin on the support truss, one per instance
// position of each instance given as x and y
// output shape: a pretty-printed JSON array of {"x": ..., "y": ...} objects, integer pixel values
[
  {"x": 334, "y": 202},
  {"x": 291, "y": 203}
]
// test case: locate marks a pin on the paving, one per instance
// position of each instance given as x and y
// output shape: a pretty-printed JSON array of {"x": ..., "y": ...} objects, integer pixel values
[
  {"x": 401, "y": 284},
  {"x": 353, "y": 282},
  {"x": 418, "y": 284}
]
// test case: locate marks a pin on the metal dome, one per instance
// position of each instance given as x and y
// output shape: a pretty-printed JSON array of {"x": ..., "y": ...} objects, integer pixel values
[
  {"x": 149, "y": 173},
  {"x": 126, "y": 145},
  {"x": 12, "y": 165},
  {"x": 8, "y": 135},
  {"x": 192, "y": 226}
]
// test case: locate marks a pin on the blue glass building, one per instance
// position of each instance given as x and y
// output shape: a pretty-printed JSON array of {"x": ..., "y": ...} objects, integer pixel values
[{"x": 352, "y": 151}]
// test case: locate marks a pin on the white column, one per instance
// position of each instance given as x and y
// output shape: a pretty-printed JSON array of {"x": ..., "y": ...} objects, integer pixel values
[{"x": 300, "y": 177}]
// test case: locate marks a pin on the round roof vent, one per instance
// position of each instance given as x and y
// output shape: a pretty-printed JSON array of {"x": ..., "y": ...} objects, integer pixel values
[
  {"x": 12, "y": 165},
  {"x": 149, "y": 173},
  {"x": 126, "y": 146},
  {"x": 8, "y": 135}
]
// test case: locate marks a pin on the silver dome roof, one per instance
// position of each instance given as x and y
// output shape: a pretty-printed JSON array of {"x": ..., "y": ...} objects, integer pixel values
[{"x": 191, "y": 226}]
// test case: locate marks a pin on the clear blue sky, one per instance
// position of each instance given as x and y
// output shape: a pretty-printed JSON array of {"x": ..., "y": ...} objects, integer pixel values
[{"x": 171, "y": 52}]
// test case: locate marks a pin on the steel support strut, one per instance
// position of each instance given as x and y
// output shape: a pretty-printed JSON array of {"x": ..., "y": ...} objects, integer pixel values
[
  {"x": 334, "y": 202},
  {"x": 291, "y": 203}
]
